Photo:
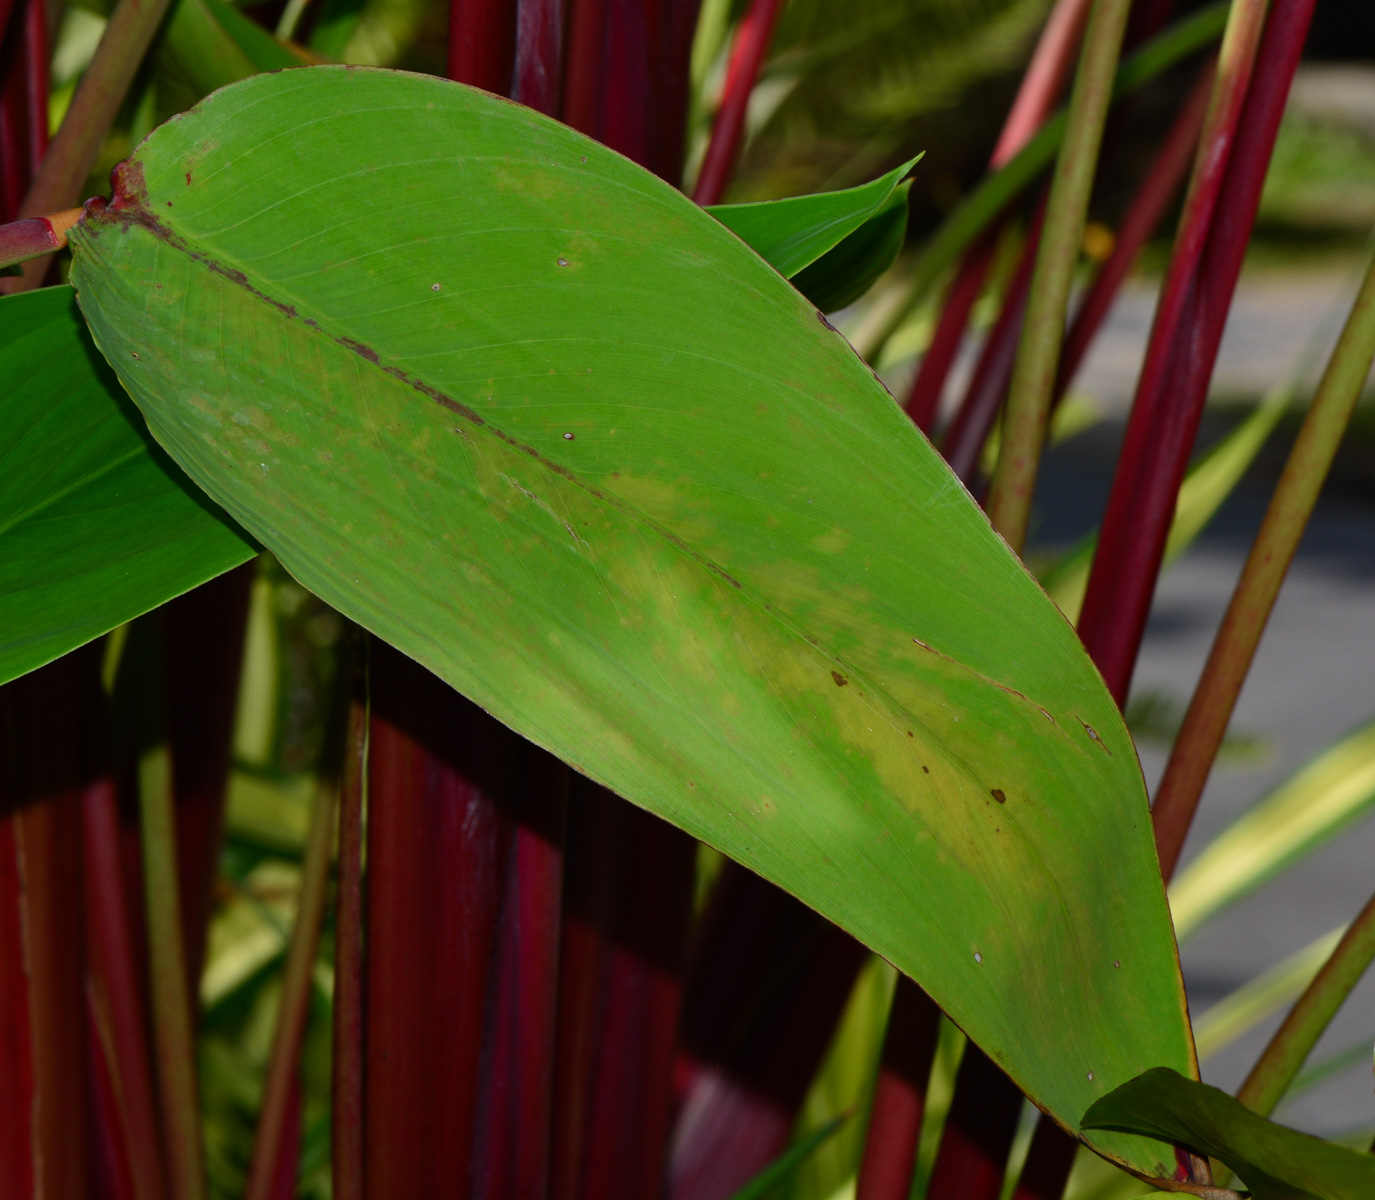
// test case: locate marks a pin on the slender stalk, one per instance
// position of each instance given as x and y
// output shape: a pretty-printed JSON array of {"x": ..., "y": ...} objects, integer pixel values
[
  {"x": 1219, "y": 210},
  {"x": 36, "y": 82},
  {"x": 1038, "y": 354},
  {"x": 978, "y": 1132},
  {"x": 35, "y": 237},
  {"x": 1234, "y": 648},
  {"x": 1041, "y": 86},
  {"x": 1161, "y": 183},
  {"x": 281, "y": 1099},
  {"x": 1284, "y": 1057},
  {"x": 964, "y": 440},
  {"x": 116, "y": 995},
  {"x": 987, "y": 202},
  {"x": 752, "y": 40},
  {"x": 909, "y": 1045},
  {"x": 347, "y": 1082},
  {"x": 1048, "y": 1163},
  {"x": 174, "y": 1042},
  {"x": 72, "y": 155},
  {"x": 538, "y": 75}
]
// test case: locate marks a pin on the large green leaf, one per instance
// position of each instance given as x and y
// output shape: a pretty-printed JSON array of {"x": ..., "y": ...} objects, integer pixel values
[
  {"x": 1275, "y": 1162},
  {"x": 529, "y": 414},
  {"x": 96, "y": 525}
]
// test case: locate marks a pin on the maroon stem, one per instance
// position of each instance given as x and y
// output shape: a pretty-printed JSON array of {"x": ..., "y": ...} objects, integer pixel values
[
  {"x": 627, "y": 911},
  {"x": 1209, "y": 250},
  {"x": 16, "y": 1043},
  {"x": 978, "y": 1132},
  {"x": 482, "y": 43},
  {"x": 115, "y": 983},
  {"x": 767, "y": 985},
  {"x": 347, "y": 1131},
  {"x": 909, "y": 1045},
  {"x": 36, "y": 82},
  {"x": 1161, "y": 183},
  {"x": 747, "y": 54},
  {"x": 40, "y": 793},
  {"x": 963, "y": 442},
  {"x": 928, "y": 384},
  {"x": 1048, "y": 1163},
  {"x": 538, "y": 76}
]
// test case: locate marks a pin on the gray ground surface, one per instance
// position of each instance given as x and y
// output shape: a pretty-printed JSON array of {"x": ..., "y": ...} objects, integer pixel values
[{"x": 1314, "y": 677}]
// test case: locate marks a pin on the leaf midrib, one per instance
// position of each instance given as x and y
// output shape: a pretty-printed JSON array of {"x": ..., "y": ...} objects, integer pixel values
[{"x": 56, "y": 497}]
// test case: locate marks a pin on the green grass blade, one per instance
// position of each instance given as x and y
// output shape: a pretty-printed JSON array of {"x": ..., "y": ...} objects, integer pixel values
[{"x": 777, "y": 1172}]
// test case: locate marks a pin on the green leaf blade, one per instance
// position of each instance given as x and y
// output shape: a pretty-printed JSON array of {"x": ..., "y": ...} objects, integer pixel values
[
  {"x": 97, "y": 526},
  {"x": 597, "y": 465}
]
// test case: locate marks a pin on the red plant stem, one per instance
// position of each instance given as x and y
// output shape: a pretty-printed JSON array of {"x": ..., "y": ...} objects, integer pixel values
[
  {"x": 538, "y": 76},
  {"x": 747, "y": 55},
  {"x": 766, "y": 988},
  {"x": 1234, "y": 648},
  {"x": 36, "y": 82},
  {"x": 1041, "y": 86},
  {"x": 41, "y": 780},
  {"x": 14, "y": 165},
  {"x": 76, "y": 146},
  {"x": 117, "y": 994},
  {"x": 627, "y": 911},
  {"x": 1158, "y": 188},
  {"x": 16, "y": 1044},
  {"x": 346, "y": 1118},
  {"x": 1044, "y": 78},
  {"x": 436, "y": 841},
  {"x": 909, "y": 1045},
  {"x": 1215, "y": 227},
  {"x": 1048, "y": 1163},
  {"x": 36, "y": 236},
  {"x": 275, "y": 1148},
  {"x": 513, "y": 1139},
  {"x": 928, "y": 384},
  {"x": 964, "y": 441},
  {"x": 482, "y": 43},
  {"x": 978, "y": 1132},
  {"x": 203, "y": 634}
]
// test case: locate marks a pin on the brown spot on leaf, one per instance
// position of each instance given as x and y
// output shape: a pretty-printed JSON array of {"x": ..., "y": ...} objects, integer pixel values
[
  {"x": 840, "y": 679},
  {"x": 998, "y": 795}
]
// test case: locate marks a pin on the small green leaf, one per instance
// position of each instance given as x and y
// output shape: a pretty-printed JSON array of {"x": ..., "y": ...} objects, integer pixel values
[
  {"x": 792, "y": 234},
  {"x": 844, "y": 273},
  {"x": 1275, "y": 1162},
  {"x": 97, "y": 525}
]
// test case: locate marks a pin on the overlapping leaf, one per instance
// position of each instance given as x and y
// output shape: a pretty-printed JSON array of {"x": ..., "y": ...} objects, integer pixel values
[
  {"x": 96, "y": 524},
  {"x": 527, "y": 413}
]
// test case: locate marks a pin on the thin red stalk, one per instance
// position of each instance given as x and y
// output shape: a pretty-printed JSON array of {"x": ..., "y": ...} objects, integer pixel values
[
  {"x": 1234, "y": 153},
  {"x": 670, "y": 59},
  {"x": 583, "y": 67},
  {"x": 482, "y": 43},
  {"x": 36, "y": 82},
  {"x": 928, "y": 384},
  {"x": 1234, "y": 648},
  {"x": 72, "y": 155},
  {"x": 275, "y": 1147},
  {"x": 610, "y": 75},
  {"x": 16, "y": 1046},
  {"x": 40, "y": 724},
  {"x": 747, "y": 54},
  {"x": 1040, "y": 89},
  {"x": 767, "y": 985},
  {"x": 109, "y": 1161},
  {"x": 909, "y": 1045},
  {"x": 978, "y": 1132},
  {"x": 627, "y": 911},
  {"x": 346, "y": 1118},
  {"x": 513, "y": 1140},
  {"x": 1162, "y": 181},
  {"x": 437, "y": 840},
  {"x": 964, "y": 440},
  {"x": 203, "y": 634},
  {"x": 1048, "y": 1163},
  {"x": 14, "y": 165},
  {"x": 117, "y": 995},
  {"x": 538, "y": 75},
  {"x": 36, "y": 236}
]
